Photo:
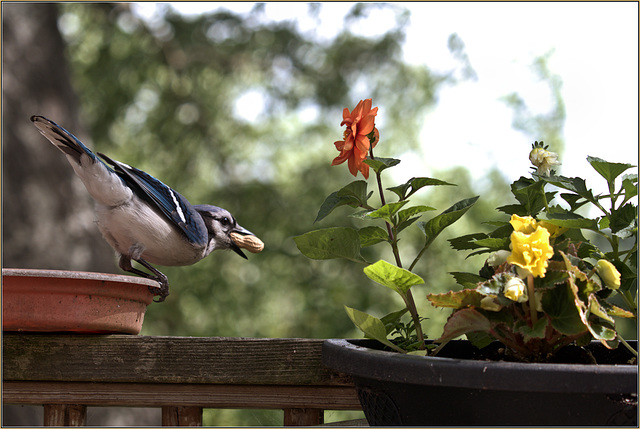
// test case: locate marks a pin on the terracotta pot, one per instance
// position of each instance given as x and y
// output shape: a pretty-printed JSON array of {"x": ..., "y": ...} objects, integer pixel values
[{"x": 73, "y": 301}]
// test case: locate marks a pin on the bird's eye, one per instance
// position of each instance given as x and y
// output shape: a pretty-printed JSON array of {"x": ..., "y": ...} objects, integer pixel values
[{"x": 225, "y": 221}]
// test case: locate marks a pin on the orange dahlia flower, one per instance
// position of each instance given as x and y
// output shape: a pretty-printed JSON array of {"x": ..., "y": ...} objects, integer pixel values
[{"x": 360, "y": 135}]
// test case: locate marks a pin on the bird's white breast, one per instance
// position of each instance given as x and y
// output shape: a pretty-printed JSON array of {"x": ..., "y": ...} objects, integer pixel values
[{"x": 135, "y": 224}]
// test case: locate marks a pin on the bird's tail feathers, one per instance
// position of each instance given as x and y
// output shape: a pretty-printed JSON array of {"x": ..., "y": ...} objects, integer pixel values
[
  {"x": 104, "y": 185},
  {"x": 62, "y": 139}
]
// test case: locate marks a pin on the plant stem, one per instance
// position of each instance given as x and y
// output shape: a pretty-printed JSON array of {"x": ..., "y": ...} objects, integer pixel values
[
  {"x": 509, "y": 343},
  {"x": 411, "y": 306},
  {"x": 544, "y": 197},
  {"x": 628, "y": 299},
  {"x": 533, "y": 308},
  {"x": 392, "y": 238},
  {"x": 421, "y": 253},
  {"x": 409, "y": 301},
  {"x": 631, "y": 349}
]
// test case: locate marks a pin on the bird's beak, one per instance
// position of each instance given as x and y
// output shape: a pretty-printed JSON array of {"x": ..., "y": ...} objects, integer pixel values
[
  {"x": 236, "y": 249},
  {"x": 240, "y": 230}
]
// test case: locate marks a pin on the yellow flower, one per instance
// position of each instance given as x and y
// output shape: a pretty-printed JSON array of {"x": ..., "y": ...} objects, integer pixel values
[
  {"x": 531, "y": 251},
  {"x": 526, "y": 225},
  {"x": 515, "y": 290},
  {"x": 608, "y": 273},
  {"x": 543, "y": 160}
]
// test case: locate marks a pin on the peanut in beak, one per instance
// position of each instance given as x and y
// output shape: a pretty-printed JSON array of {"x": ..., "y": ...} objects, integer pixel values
[{"x": 250, "y": 242}]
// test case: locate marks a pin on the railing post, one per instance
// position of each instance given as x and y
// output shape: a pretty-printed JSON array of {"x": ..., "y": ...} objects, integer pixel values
[
  {"x": 181, "y": 416},
  {"x": 65, "y": 415},
  {"x": 303, "y": 417}
]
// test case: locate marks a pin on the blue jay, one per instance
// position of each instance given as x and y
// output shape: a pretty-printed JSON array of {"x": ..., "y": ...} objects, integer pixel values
[{"x": 143, "y": 219}]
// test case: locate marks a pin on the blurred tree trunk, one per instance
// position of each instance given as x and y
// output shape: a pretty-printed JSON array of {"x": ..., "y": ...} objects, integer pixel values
[{"x": 47, "y": 215}]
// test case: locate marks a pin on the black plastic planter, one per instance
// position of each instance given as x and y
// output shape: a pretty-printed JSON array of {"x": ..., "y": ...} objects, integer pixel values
[{"x": 406, "y": 390}]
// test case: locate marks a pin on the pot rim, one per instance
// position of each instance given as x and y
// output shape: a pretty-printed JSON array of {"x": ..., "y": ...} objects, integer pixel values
[
  {"x": 355, "y": 358},
  {"x": 78, "y": 275}
]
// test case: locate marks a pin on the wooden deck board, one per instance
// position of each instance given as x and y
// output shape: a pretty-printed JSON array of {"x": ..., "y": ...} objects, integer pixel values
[{"x": 144, "y": 359}]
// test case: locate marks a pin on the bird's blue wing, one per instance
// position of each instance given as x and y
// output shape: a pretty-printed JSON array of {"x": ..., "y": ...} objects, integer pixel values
[{"x": 173, "y": 205}]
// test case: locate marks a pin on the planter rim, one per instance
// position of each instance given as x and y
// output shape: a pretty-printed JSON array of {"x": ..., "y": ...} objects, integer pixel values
[
  {"x": 78, "y": 275},
  {"x": 355, "y": 358}
]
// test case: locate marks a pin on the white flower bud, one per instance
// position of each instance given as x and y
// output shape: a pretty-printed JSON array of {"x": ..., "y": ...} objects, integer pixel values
[{"x": 516, "y": 290}]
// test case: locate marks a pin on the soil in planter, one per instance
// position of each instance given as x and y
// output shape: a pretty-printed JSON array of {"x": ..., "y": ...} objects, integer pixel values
[{"x": 594, "y": 353}]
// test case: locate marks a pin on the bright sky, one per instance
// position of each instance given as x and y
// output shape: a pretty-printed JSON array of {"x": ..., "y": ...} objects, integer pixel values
[{"x": 595, "y": 53}]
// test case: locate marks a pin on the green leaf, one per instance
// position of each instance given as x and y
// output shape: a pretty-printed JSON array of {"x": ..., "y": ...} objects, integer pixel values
[
  {"x": 388, "y": 211},
  {"x": 494, "y": 244},
  {"x": 630, "y": 186},
  {"x": 360, "y": 214},
  {"x": 414, "y": 184},
  {"x": 330, "y": 243},
  {"x": 357, "y": 189},
  {"x": 371, "y": 235},
  {"x": 608, "y": 170},
  {"x": 559, "y": 305},
  {"x": 511, "y": 209},
  {"x": 395, "y": 278},
  {"x": 467, "y": 242},
  {"x": 575, "y": 201},
  {"x": 628, "y": 274},
  {"x": 575, "y": 223},
  {"x": 531, "y": 196},
  {"x": 354, "y": 195},
  {"x": 495, "y": 285},
  {"x": 463, "y": 321},
  {"x": 391, "y": 319},
  {"x": 602, "y": 331},
  {"x": 574, "y": 184},
  {"x": 536, "y": 331},
  {"x": 403, "y": 225},
  {"x": 409, "y": 216},
  {"x": 467, "y": 280},
  {"x": 436, "y": 225},
  {"x": 480, "y": 339},
  {"x": 381, "y": 164},
  {"x": 407, "y": 213},
  {"x": 552, "y": 278},
  {"x": 456, "y": 299},
  {"x": 615, "y": 311},
  {"x": 371, "y": 326},
  {"x": 597, "y": 310},
  {"x": 623, "y": 218}
]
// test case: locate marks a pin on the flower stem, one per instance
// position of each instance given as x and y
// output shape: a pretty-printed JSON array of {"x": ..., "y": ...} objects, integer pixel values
[
  {"x": 631, "y": 349},
  {"x": 533, "y": 307},
  {"x": 409, "y": 301},
  {"x": 628, "y": 299},
  {"x": 392, "y": 238},
  {"x": 411, "y": 305}
]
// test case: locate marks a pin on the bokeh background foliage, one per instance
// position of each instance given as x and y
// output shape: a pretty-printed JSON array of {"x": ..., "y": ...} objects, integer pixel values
[
  {"x": 163, "y": 94},
  {"x": 172, "y": 114}
]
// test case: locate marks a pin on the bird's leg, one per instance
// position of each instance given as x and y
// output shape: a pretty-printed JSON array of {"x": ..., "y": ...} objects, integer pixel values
[
  {"x": 159, "y": 277},
  {"x": 125, "y": 264}
]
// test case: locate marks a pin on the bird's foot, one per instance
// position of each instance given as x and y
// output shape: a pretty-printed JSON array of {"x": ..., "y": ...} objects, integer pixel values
[{"x": 163, "y": 293}]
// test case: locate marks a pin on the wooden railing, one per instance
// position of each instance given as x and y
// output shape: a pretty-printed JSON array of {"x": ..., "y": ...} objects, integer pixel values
[{"x": 182, "y": 375}]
